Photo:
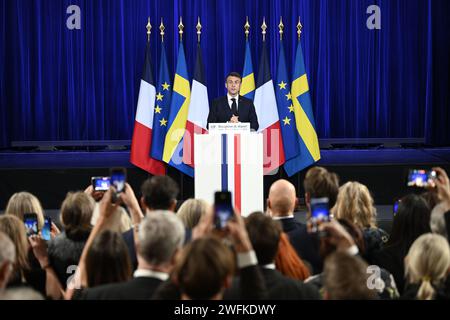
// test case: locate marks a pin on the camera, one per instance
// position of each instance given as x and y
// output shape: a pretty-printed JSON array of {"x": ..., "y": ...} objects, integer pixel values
[
  {"x": 223, "y": 209},
  {"x": 46, "y": 229},
  {"x": 118, "y": 179},
  {"x": 31, "y": 223},
  {"x": 101, "y": 183},
  {"x": 421, "y": 178},
  {"x": 320, "y": 213}
]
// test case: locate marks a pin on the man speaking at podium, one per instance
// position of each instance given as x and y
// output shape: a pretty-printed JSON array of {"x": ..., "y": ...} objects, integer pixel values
[{"x": 233, "y": 108}]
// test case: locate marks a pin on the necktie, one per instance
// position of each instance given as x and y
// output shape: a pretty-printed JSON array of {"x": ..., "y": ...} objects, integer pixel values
[{"x": 234, "y": 107}]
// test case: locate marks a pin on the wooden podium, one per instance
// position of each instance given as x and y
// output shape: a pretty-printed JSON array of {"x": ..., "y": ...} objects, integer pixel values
[{"x": 230, "y": 158}]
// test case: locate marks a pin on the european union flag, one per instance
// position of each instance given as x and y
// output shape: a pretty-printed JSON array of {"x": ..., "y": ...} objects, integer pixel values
[
  {"x": 286, "y": 109},
  {"x": 304, "y": 119},
  {"x": 179, "y": 108},
  {"x": 162, "y": 105}
]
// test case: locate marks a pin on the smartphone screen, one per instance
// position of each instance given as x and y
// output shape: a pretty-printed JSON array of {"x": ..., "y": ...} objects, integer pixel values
[
  {"x": 421, "y": 178},
  {"x": 223, "y": 209},
  {"x": 46, "y": 229},
  {"x": 118, "y": 179},
  {"x": 31, "y": 223},
  {"x": 101, "y": 183},
  {"x": 319, "y": 212}
]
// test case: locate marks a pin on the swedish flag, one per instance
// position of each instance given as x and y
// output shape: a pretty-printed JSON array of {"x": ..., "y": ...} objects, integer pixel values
[
  {"x": 162, "y": 105},
  {"x": 304, "y": 119},
  {"x": 248, "y": 77},
  {"x": 179, "y": 107}
]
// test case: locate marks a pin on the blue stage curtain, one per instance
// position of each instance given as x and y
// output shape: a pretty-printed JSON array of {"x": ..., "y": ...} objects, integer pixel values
[{"x": 58, "y": 84}]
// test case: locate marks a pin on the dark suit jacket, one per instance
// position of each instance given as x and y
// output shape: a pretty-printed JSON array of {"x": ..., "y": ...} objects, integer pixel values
[
  {"x": 279, "y": 287},
  {"x": 306, "y": 245},
  {"x": 250, "y": 286},
  {"x": 220, "y": 112},
  {"x": 141, "y": 288}
]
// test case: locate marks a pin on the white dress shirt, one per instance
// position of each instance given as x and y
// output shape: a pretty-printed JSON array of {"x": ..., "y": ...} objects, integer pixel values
[{"x": 230, "y": 102}]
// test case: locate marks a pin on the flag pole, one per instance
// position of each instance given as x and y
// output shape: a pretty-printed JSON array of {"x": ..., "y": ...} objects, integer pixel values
[
  {"x": 264, "y": 28},
  {"x": 149, "y": 30},
  {"x": 247, "y": 29},
  {"x": 281, "y": 27},
  {"x": 199, "y": 30},
  {"x": 162, "y": 28},
  {"x": 180, "y": 28},
  {"x": 299, "y": 28}
]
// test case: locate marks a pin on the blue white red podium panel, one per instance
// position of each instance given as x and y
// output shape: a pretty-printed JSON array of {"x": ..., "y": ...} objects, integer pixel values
[{"x": 230, "y": 162}]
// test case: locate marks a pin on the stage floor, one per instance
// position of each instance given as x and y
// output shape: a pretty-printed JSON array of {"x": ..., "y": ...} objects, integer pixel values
[{"x": 337, "y": 157}]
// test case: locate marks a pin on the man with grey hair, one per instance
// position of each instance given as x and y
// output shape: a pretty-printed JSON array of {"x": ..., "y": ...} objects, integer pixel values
[
  {"x": 7, "y": 259},
  {"x": 160, "y": 237}
]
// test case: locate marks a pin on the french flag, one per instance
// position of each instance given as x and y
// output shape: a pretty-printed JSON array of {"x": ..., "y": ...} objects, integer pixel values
[
  {"x": 142, "y": 134},
  {"x": 198, "y": 110},
  {"x": 267, "y": 111}
]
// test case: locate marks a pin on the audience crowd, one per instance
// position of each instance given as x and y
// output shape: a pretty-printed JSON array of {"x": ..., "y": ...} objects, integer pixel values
[{"x": 143, "y": 248}]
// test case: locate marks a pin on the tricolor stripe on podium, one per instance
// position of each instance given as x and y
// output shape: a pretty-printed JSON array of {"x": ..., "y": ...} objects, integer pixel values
[
  {"x": 230, "y": 162},
  {"x": 231, "y": 167}
]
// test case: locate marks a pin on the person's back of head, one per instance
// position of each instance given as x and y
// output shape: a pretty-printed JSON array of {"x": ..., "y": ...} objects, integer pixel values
[
  {"x": 345, "y": 278},
  {"x": 320, "y": 183},
  {"x": 282, "y": 198},
  {"x": 411, "y": 220},
  {"x": 427, "y": 264},
  {"x": 159, "y": 193},
  {"x": 355, "y": 204},
  {"x": 107, "y": 260},
  {"x": 264, "y": 234},
  {"x": 14, "y": 228},
  {"x": 25, "y": 202},
  {"x": 76, "y": 213},
  {"x": 326, "y": 248},
  {"x": 119, "y": 221},
  {"x": 21, "y": 293},
  {"x": 204, "y": 269},
  {"x": 191, "y": 211},
  {"x": 437, "y": 220},
  {"x": 160, "y": 235},
  {"x": 7, "y": 258}
]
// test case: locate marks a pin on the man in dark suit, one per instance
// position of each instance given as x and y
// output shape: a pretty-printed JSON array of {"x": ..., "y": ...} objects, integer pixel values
[
  {"x": 280, "y": 205},
  {"x": 264, "y": 234},
  {"x": 161, "y": 236},
  {"x": 233, "y": 108}
]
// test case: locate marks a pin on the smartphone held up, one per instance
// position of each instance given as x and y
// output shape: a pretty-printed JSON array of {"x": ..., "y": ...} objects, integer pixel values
[{"x": 223, "y": 209}]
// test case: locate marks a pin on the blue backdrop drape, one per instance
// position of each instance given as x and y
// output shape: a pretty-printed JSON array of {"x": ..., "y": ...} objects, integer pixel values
[{"x": 58, "y": 84}]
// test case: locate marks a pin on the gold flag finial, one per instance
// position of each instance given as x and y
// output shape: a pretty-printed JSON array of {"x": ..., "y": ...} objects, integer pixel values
[
  {"x": 199, "y": 29},
  {"x": 281, "y": 27},
  {"x": 149, "y": 29},
  {"x": 264, "y": 28},
  {"x": 162, "y": 28},
  {"x": 247, "y": 29},
  {"x": 181, "y": 27},
  {"x": 299, "y": 28}
]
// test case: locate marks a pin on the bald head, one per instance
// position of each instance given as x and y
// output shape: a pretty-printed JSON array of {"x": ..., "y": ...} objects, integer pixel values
[{"x": 282, "y": 198}]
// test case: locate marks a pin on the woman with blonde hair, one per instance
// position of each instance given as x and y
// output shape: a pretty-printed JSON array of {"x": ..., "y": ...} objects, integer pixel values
[
  {"x": 66, "y": 248},
  {"x": 191, "y": 211},
  {"x": 355, "y": 204},
  {"x": 25, "y": 202},
  {"x": 32, "y": 265},
  {"x": 427, "y": 266}
]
